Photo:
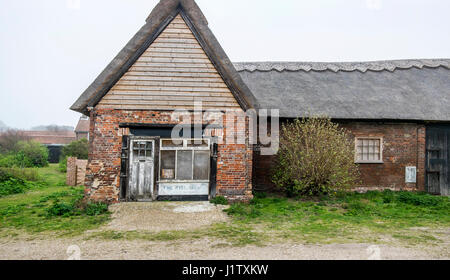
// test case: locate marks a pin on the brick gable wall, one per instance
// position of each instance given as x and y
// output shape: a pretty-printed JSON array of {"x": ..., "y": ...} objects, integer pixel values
[{"x": 103, "y": 170}]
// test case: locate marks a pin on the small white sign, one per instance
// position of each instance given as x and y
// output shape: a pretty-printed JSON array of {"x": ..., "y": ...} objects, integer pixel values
[
  {"x": 183, "y": 189},
  {"x": 411, "y": 174}
]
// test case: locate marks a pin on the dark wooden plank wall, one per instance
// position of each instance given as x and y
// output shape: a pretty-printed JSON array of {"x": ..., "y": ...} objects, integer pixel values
[{"x": 438, "y": 160}]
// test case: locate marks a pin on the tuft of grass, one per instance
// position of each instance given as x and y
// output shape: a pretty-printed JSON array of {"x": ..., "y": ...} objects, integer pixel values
[{"x": 219, "y": 200}]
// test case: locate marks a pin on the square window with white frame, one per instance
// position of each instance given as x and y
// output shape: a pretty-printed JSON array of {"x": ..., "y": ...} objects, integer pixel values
[{"x": 369, "y": 150}]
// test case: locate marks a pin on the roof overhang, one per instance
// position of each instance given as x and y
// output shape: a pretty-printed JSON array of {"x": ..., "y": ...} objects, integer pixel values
[{"x": 160, "y": 17}]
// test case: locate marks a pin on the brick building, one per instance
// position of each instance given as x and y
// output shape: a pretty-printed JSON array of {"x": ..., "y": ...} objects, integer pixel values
[
  {"x": 174, "y": 80},
  {"x": 82, "y": 129},
  {"x": 53, "y": 140}
]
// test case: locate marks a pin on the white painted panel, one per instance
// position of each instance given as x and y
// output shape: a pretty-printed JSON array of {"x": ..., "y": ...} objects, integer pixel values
[
  {"x": 411, "y": 174},
  {"x": 176, "y": 189}
]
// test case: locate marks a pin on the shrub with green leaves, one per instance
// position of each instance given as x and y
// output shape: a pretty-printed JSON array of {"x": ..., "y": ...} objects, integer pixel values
[
  {"x": 96, "y": 208},
  {"x": 26, "y": 154},
  {"x": 76, "y": 207},
  {"x": 15, "y": 186},
  {"x": 316, "y": 157},
  {"x": 60, "y": 209},
  {"x": 78, "y": 149},
  {"x": 63, "y": 164},
  {"x": 32, "y": 154},
  {"x": 26, "y": 174}
]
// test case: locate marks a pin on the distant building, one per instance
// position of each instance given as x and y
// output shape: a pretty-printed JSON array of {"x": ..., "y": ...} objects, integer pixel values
[
  {"x": 82, "y": 129},
  {"x": 53, "y": 140}
]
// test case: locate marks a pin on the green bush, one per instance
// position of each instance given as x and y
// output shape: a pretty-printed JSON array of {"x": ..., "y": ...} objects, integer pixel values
[
  {"x": 12, "y": 186},
  {"x": 420, "y": 199},
  {"x": 7, "y": 160},
  {"x": 15, "y": 186},
  {"x": 63, "y": 164},
  {"x": 76, "y": 207},
  {"x": 26, "y": 154},
  {"x": 78, "y": 149},
  {"x": 26, "y": 174},
  {"x": 33, "y": 153},
  {"x": 60, "y": 209},
  {"x": 4, "y": 175},
  {"x": 96, "y": 208},
  {"x": 316, "y": 157},
  {"x": 219, "y": 200}
]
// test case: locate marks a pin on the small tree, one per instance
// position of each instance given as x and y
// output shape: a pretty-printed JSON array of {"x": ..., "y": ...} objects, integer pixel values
[
  {"x": 78, "y": 149},
  {"x": 9, "y": 140},
  {"x": 315, "y": 157},
  {"x": 31, "y": 154}
]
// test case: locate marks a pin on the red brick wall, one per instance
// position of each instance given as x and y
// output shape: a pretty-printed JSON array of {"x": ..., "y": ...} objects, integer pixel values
[
  {"x": 404, "y": 145},
  {"x": 76, "y": 171},
  {"x": 103, "y": 171}
]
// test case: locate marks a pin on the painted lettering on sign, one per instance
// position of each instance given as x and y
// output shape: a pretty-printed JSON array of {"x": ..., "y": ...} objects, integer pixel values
[{"x": 183, "y": 189}]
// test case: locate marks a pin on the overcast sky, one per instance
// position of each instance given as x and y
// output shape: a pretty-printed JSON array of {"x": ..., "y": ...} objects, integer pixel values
[{"x": 51, "y": 50}]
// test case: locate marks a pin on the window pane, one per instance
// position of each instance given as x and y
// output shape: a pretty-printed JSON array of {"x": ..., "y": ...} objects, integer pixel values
[
  {"x": 184, "y": 165},
  {"x": 167, "y": 165},
  {"x": 175, "y": 143},
  {"x": 197, "y": 143},
  {"x": 368, "y": 150},
  {"x": 201, "y": 165}
]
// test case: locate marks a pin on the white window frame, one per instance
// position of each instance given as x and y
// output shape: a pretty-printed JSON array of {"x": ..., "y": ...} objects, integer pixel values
[
  {"x": 183, "y": 148},
  {"x": 360, "y": 161}
]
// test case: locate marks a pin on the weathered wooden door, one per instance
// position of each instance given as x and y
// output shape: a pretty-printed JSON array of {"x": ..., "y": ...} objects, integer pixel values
[
  {"x": 142, "y": 170},
  {"x": 438, "y": 159}
]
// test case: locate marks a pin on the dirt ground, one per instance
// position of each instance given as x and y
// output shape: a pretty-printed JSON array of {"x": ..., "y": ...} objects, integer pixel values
[
  {"x": 61, "y": 249},
  {"x": 156, "y": 217}
]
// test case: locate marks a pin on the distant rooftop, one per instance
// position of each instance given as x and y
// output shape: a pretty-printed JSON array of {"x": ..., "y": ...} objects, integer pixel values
[{"x": 51, "y": 137}]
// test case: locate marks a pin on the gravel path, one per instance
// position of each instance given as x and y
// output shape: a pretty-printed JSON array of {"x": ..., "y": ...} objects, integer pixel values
[
  {"x": 204, "y": 249},
  {"x": 162, "y": 216},
  {"x": 156, "y": 217}
]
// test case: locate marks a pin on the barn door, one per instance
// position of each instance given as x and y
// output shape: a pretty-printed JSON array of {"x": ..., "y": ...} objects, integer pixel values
[
  {"x": 437, "y": 160},
  {"x": 142, "y": 170}
]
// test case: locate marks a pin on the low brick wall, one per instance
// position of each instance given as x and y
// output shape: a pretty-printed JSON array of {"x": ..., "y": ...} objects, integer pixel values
[{"x": 76, "y": 171}]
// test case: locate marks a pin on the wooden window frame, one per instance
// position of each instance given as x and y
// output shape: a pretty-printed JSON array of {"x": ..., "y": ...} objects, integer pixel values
[
  {"x": 184, "y": 148},
  {"x": 359, "y": 161}
]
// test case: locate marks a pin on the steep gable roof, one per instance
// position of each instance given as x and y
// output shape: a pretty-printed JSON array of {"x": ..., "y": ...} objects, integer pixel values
[{"x": 160, "y": 17}]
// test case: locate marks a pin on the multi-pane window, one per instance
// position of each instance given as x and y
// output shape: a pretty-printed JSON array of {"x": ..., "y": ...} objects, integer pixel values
[
  {"x": 369, "y": 150},
  {"x": 185, "y": 160}
]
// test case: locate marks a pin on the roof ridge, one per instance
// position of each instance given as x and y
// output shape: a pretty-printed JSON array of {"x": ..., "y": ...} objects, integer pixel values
[
  {"x": 164, "y": 12},
  {"x": 363, "y": 66}
]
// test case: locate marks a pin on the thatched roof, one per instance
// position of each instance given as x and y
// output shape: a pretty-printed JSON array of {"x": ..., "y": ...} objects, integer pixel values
[{"x": 384, "y": 90}]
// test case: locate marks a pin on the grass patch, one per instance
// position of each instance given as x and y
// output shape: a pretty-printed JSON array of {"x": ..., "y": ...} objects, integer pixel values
[
  {"x": 347, "y": 217},
  {"x": 219, "y": 200},
  {"x": 53, "y": 207}
]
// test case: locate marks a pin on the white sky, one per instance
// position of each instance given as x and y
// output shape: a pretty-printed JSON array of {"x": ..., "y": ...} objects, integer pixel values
[{"x": 51, "y": 50}]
